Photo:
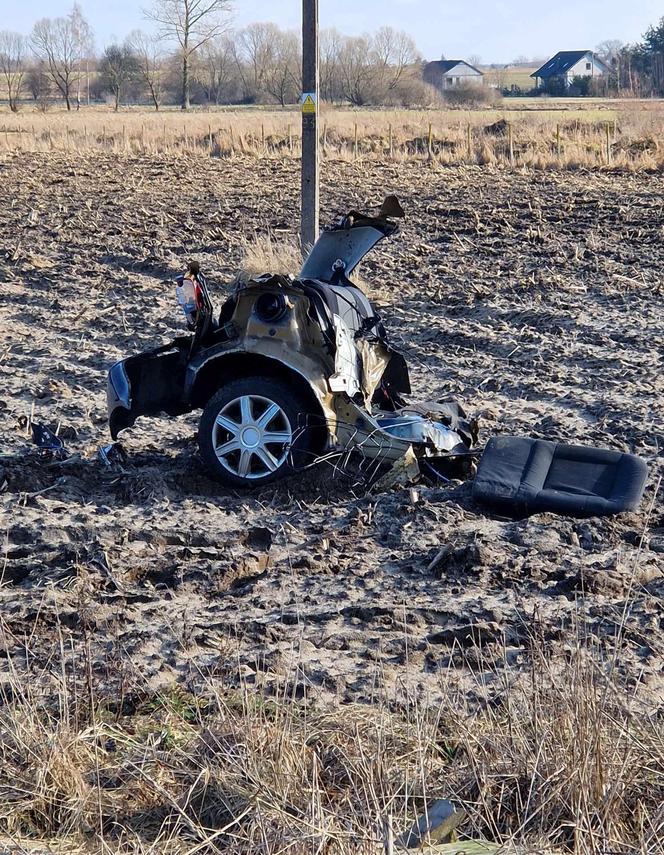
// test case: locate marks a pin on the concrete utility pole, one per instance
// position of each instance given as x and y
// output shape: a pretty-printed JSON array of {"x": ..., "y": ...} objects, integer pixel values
[{"x": 309, "y": 222}]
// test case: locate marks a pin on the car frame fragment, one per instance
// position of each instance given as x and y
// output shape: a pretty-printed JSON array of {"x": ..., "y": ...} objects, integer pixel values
[{"x": 290, "y": 371}]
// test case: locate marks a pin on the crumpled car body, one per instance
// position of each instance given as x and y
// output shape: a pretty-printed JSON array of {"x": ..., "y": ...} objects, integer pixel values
[{"x": 293, "y": 369}]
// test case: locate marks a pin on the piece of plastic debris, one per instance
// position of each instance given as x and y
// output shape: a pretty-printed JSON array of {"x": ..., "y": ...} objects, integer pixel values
[
  {"x": 434, "y": 826},
  {"x": 112, "y": 454},
  {"x": 48, "y": 443}
]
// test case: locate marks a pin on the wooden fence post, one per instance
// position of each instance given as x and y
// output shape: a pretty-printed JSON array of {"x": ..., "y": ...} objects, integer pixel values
[
  {"x": 391, "y": 141},
  {"x": 210, "y": 137},
  {"x": 558, "y": 140},
  {"x": 511, "y": 143},
  {"x": 124, "y": 138},
  {"x": 290, "y": 138},
  {"x": 232, "y": 140},
  {"x": 430, "y": 143},
  {"x": 608, "y": 143},
  {"x": 469, "y": 141},
  {"x": 186, "y": 141},
  {"x": 262, "y": 137},
  {"x": 355, "y": 142}
]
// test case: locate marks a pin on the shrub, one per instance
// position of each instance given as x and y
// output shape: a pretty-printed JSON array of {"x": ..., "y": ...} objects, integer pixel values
[
  {"x": 413, "y": 92},
  {"x": 467, "y": 95}
]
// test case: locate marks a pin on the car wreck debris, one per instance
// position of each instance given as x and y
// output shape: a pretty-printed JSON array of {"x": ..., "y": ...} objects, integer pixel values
[
  {"x": 519, "y": 476},
  {"x": 112, "y": 454},
  {"x": 48, "y": 442},
  {"x": 293, "y": 368},
  {"x": 436, "y": 825},
  {"x": 297, "y": 370}
]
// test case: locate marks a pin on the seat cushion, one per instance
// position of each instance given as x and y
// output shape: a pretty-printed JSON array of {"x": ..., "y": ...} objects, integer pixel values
[{"x": 518, "y": 476}]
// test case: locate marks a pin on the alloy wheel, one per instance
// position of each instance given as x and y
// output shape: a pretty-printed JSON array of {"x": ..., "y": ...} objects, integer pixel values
[{"x": 251, "y": 436}]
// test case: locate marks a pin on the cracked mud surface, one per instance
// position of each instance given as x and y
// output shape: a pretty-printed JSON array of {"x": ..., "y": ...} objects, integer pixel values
[{"x": 534, "y": 299}]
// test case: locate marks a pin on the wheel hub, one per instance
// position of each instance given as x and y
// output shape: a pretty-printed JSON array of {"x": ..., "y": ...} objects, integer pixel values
[{"x": 250, "y": 437}]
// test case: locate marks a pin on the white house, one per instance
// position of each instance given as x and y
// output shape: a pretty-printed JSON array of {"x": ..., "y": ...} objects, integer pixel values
[
  {"x": 447, "y": 73},
  {"x": 568, "y": 64}
]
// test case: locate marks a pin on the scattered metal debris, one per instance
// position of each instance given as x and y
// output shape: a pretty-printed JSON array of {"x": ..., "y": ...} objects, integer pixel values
[
  {"x": 403, "y": 471},
  {"x": 49, "y": 444},
  {"x": 112, "y": 454}
]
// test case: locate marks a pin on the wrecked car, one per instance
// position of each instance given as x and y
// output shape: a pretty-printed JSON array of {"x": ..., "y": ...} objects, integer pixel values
[{"x": 292, "y": 370}]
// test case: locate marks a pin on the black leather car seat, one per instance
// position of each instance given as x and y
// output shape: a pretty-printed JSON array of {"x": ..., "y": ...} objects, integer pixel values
[{"x": 518, "y": 476}]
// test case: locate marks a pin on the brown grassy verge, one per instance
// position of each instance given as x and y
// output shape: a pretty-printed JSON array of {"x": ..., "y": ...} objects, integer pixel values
[
  {"x": 565, "y": 758},
  {"x": 627, "y": 137}
]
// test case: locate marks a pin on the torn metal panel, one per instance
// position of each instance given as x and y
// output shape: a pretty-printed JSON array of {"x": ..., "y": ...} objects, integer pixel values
[
  {"x": 339, "y": 250},
  {"x": 434, "y": 437},
  {"x": 374, "y": 359}
]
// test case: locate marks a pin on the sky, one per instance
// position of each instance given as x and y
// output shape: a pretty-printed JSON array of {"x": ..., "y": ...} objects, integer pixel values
[{"x": 494, "y": 30}]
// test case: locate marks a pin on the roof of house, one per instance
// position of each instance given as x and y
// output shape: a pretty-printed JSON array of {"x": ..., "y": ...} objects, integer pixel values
[
  {"x": 446, "y": 65},
  {"x": 562, "y": 62}
]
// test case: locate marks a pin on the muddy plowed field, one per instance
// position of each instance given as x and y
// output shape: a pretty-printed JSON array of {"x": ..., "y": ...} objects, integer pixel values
[{"x": 535, "y": 299}]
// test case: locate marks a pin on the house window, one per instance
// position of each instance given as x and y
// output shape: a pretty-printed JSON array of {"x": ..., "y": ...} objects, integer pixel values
[{"x": 588, "y": 66}]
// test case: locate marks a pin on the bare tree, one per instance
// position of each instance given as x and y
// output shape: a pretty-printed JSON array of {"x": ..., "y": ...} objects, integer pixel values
[
  {"x": 190, "y": 23},
  {"x": 331, "y": 42},
  {"x": 392, "y": 52},
  {"x": 117, "y": 67},
  {"x": 83, "y": 47},
  {"x": 150, "y": 59},
  {"x": 40, "y": 84},
  {"x": 283, "y": 76},
  {"x": 12, "y": 65},
  {"x": 475, "y": 60},
  {"x": 255, "y": 53},
  {"x": 216, "y": 67},
  {"x": 498, "y": 75},
  {"x": 54, "y": 41},
  {"x": 356, "y": 70},
  {"x": 609, "y": 50}
]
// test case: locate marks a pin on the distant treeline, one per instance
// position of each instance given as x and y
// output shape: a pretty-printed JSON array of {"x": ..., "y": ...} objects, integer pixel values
[{"x": 192, "y": 56}]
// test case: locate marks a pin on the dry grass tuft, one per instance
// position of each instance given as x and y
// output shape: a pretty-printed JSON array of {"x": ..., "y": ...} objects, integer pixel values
[{"x": 266, "y": 254}]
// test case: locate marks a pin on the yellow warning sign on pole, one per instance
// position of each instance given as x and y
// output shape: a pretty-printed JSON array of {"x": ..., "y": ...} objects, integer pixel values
[{"x": 309, "y": 102}]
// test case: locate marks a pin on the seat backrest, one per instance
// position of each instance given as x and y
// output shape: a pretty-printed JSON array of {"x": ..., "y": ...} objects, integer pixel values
[{"x": 346, "y": 301}]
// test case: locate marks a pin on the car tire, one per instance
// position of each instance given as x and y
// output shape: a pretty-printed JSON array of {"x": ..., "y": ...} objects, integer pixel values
[{"x": 255, "y": 430}]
